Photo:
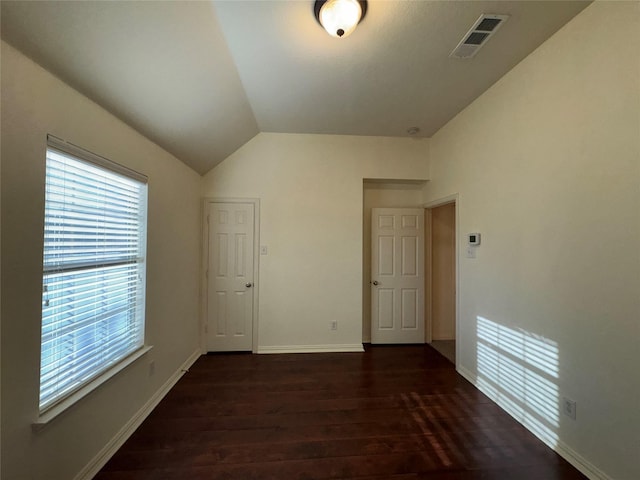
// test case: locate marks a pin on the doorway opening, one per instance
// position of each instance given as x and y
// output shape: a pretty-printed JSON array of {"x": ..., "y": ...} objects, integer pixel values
[
  {"x": 440, "y": 245},
  {"x": 389, "y": 194},
  {"x": 440, "y": 257}
]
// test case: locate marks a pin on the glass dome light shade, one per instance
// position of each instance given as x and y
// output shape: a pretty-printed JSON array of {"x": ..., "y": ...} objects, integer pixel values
[{"x": 340, "y": 17}]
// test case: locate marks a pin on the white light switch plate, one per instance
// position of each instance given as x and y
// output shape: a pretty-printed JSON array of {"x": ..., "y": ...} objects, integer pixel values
[
  {"x": 471, "y": 252},
  {"x": 264, "y": 250}
]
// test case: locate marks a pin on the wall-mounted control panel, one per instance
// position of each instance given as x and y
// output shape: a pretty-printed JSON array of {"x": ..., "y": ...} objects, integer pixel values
[{"x": 474, "y": 239}]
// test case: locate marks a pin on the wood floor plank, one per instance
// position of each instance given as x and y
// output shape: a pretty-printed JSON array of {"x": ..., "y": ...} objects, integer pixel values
[{"x": 389, "y": 413}]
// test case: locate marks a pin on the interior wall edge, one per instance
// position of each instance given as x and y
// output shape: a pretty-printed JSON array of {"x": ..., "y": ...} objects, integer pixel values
[
  {"x": 561, "y": 448},
  {"x": 100, "y": 460}
]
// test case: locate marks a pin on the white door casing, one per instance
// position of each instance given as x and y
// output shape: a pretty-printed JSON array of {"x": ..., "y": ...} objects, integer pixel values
[
  {"x": 397, "y": 275},
  {"x": 230, "y": 272}
]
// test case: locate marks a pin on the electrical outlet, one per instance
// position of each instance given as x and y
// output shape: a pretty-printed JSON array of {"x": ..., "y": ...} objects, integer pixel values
[
  {"x": 333, "y": 325},
  {"x": 569, "y": 408}
]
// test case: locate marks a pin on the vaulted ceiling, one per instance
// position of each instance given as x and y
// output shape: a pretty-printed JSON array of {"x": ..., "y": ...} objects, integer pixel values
[{"x": 202, "y": 78}]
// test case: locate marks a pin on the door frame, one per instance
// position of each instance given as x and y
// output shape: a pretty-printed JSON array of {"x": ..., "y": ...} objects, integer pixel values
[
  {"x": 453, "y": 198},
  {"x": 204, "y": 282}
]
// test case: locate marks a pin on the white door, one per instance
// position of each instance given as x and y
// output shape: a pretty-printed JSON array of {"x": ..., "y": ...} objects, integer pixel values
[
  {"x": 230, "y": 277},
  {"x": 397, "y": 275}
]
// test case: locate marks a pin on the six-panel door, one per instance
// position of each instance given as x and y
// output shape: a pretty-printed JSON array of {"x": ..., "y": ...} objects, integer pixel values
[
  {"x": 230, "y": 277},
  {"x": 397, "y": 275}
]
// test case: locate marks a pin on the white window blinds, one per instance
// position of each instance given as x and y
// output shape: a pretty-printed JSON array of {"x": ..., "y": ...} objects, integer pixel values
[{"x": 94, "y": 269}]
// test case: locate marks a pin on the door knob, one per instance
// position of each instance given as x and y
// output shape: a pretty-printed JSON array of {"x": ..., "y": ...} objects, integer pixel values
[
  {"x": 375, "y": 282},
  {"x": 248, "y": 285}
]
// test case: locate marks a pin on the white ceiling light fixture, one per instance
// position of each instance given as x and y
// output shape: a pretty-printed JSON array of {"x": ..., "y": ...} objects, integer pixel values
[{"x": 340, "y": 17}]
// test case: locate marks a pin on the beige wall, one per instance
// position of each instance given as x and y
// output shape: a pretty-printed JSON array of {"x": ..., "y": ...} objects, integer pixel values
[
  {"x": 547, "y": 167},
  {"x": 375, "y": 195},
  {"x": 311, "y": 210},
  {"x": 35, "y": 103}
]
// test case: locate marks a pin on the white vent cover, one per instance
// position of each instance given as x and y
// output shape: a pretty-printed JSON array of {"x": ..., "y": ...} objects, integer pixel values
[{"x": 478, "y": 35}]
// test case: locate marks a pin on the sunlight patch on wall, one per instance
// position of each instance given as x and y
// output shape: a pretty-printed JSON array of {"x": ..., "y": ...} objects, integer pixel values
[{"x": 520, "y": 370}]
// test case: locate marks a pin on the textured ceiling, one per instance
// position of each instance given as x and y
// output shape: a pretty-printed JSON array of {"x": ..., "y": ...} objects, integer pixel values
[{"x": 201, "y": 78}]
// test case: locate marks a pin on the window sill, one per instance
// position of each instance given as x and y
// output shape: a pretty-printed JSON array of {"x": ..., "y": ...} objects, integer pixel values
[{"x": 45, "y": 418}]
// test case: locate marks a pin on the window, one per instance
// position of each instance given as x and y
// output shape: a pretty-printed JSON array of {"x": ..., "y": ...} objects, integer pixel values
[{"x": 93, "y": 283}]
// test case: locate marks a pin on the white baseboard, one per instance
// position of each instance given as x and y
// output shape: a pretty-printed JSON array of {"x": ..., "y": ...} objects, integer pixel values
[
  {"x": 99, "y": 461},
  {"x": 561, "y": 448},
  {"x": 581, "y": 463},
  {"x": 356, "y": 347}
]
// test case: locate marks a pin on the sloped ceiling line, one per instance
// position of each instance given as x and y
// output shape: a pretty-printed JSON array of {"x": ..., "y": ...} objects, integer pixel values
[{"x": 202, "y": 78}]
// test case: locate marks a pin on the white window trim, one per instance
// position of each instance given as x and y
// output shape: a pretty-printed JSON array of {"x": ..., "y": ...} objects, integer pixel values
[
  {"x": 86, "y": 155},
  {"x": 54, "y": 411}
]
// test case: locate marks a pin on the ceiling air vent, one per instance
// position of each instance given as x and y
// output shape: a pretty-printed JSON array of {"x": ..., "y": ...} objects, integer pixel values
[{"x": 478, "y": 35}]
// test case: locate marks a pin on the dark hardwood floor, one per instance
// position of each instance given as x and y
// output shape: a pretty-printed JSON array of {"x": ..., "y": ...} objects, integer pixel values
[{"x": 389, "y": 413}]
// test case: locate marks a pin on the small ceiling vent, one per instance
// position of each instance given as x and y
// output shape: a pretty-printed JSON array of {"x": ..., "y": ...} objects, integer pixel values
[{"x": 478, "y": 35}]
